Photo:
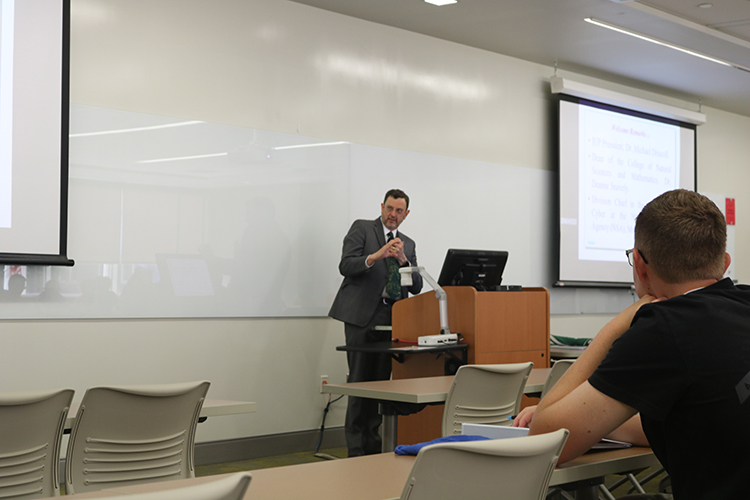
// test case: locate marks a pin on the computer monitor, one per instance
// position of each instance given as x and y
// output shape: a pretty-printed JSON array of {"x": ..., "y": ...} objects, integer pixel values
[{"x": 482, "y": 269}]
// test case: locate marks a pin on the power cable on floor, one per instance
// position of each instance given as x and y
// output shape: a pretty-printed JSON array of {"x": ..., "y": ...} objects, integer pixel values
[{"x": 317, "y": 453}]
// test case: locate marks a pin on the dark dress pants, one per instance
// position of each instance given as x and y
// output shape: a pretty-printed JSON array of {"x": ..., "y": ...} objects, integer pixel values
[{"x": 362, "y": 425}]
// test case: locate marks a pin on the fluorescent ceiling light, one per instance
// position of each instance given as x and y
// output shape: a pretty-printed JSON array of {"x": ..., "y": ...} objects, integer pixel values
[
  {"x": 315, "y": 145},
  {"x": 138, "y": 129},
  {"x": 689, "y": 24},
  {"x": 441, "y": 2},
  {"x": 663, "y": 43},
  {"x": 161, "y": 160}
]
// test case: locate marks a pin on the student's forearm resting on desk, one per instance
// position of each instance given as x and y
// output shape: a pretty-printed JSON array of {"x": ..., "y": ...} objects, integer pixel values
[
  {"x": 574, "y": 404},
  {"x": 629, "y": 432}
]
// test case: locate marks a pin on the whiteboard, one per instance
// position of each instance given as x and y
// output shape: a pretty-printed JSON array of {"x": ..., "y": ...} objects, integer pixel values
[
  {"x": 179, "y": 218},
  {"x": 457, "y": 203}
]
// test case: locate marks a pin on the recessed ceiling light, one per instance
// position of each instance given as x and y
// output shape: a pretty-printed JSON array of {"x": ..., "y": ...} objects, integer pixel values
[
  {"x": 705, "y": 5},
  {"x": 441, "y": 2}
]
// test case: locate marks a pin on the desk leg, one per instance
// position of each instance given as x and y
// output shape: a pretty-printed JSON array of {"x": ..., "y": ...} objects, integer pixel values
[{"x": 390, "y": 428}]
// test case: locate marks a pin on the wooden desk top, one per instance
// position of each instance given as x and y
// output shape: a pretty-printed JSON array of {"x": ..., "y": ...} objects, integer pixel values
[
  {"x": 211, "y": 408},
  {"x": 598, "y": 463},
  {"x": 382, "y": 477},
  {"x": 419, "y": 390},
  {"x": 372, "y": 477},
  {"x": 223, "y": 407},
  {"x": 91, "y": 494}
]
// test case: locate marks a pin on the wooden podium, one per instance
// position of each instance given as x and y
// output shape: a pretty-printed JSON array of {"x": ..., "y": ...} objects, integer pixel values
[{"x": 500, "y": 327}]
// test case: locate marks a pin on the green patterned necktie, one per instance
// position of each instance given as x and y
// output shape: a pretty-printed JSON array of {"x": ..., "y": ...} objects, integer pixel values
[{"x": 393, "y": 287}]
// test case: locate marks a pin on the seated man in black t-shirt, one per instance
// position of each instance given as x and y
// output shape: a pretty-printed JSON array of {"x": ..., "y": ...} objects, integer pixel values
[{"x": 673, "y": 370}]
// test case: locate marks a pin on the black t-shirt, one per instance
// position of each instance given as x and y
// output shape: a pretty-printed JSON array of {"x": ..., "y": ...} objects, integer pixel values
[{"x": 684, "y": 364}]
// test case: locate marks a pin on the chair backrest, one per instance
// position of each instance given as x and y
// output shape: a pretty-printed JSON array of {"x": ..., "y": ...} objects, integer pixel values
[
  {"x": 232, "y": 487},
  {"x": 135, "y": 434},
  {"x": 31, "y": 430},
  {"x": 484, "y": 394},
  {"x": 558, "y": 368},
  {"x": 496, "y": 469}
]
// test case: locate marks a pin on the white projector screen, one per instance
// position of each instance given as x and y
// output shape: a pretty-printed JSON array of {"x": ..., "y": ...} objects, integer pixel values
[
  {"x": 612, "y": 162},
  {"x": 34, "y": 62}
]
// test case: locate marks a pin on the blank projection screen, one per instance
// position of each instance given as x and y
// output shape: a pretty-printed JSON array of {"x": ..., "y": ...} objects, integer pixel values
[
  {"x": 34, "y": 53},
  {"x": 612, "y": 162}
]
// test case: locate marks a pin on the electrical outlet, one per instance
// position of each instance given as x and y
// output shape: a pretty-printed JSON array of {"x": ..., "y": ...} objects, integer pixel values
[{"x": 323, "y": 381}]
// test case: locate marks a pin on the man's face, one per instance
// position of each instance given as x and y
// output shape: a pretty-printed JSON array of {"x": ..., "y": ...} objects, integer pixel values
[{"x": 393, "y": 212}]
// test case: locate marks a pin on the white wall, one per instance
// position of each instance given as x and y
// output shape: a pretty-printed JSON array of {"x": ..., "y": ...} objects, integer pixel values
[
  {"x": 278, "y": 65},
  {"x": 277, "y": 366}
]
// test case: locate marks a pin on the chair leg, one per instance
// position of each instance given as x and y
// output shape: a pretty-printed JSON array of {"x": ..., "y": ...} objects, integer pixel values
[
  {"x": 636, "y": 485},
  {"x": 651, "y": 476},
  {"x": 605, "y": 493}
]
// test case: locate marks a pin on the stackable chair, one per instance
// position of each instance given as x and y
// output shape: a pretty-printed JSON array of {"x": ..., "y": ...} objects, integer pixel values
[
  {"x": 133, "y": 434},
  {"x": 496, "y": 469},
  {"x": 558, "y": 369},
  {"x": 31, "y": 429},
  {"x": 484, "y": 394},
  {"x": 229, "y": 488}
]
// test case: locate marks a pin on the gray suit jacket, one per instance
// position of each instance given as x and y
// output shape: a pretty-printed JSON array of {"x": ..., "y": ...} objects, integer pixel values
[{"x": 362, "y": 288}]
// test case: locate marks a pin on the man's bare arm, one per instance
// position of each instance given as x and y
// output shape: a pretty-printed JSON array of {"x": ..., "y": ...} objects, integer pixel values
[
  {"x": 574, "y": 404},
  {"x": 588, "y": 414},
  {"x": 630, "y": 432}
]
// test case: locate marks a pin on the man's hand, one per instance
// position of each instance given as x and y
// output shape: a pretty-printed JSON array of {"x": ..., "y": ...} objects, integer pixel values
[
  {"x": 523, "y": 419},
  {"x": 623, "y": 320},
  {"x": 393, "y": 248},
  {"x": 397, "y": 250}
]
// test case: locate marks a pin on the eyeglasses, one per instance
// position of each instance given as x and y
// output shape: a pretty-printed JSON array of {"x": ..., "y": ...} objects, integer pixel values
[{"x": 629, "y": 255}]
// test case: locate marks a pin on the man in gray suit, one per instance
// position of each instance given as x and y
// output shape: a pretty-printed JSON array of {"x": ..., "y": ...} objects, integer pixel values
[{"x": 373, "y": 251}]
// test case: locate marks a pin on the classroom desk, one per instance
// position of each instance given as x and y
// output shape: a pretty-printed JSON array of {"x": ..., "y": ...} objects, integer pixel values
[
  {"x": 91, "y": 494},
  {"x": 399, "y": 350},
  {"x": 211, "y": 408},
  {"x": 424, "y": 390},
  {"x": 382, "y": 477},
  {"x": 599, "y": 463}
]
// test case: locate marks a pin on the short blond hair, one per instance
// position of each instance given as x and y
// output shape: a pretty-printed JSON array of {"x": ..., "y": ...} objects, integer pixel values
[{"x": 683, "y": 236}]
